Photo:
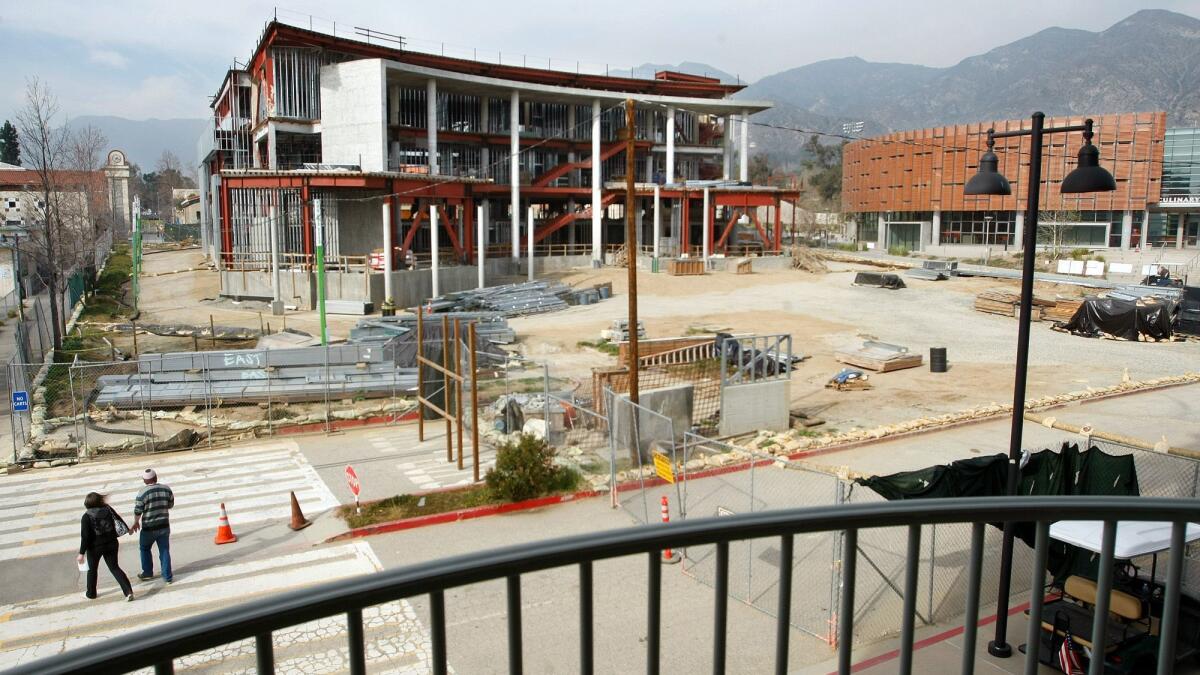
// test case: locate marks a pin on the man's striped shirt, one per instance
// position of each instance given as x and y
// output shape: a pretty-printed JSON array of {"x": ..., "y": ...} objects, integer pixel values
[{"x": 151, "y": 504}]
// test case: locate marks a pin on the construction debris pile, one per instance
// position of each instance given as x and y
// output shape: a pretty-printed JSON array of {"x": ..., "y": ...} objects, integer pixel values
[
  {"x": 934, "y": 270},
  {"x": 803, "y": 258},
  {"x": 251, "y": 376},
  {"x": 531, "y": 297},
  {"x": 1007, "y": 302}
]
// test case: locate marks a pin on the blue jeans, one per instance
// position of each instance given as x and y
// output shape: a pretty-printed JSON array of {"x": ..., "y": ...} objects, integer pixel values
[{"x": 148, "y": 538}]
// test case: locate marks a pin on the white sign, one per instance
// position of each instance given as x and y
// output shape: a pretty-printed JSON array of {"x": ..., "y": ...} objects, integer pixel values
[
  {"x": 1183, "y": 200},
  {"x": 1094, "y": 268}
]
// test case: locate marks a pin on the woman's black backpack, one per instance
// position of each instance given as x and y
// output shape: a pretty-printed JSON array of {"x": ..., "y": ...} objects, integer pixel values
[{"x": 104, "y": 526}]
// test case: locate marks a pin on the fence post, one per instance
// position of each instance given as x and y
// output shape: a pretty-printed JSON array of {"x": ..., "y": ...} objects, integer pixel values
[
  {"x": 609, "y": 402},
  {"x": 82, "y": 451},
  {"x": 546, "y": 397},
  {"x": 270, "y": 409},
  {"x": 12, "y": 414},
  {"x": 932, "y": 566},
  {"x": 208, "y": 403},
  {"x": 327, "y": 383}
]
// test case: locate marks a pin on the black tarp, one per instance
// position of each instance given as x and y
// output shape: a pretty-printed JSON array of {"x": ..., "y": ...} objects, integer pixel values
[
  {"x": 1066, "y": 472},
  {"x": 880, "y": 279},
  {"x": 1125, "y": 319}
]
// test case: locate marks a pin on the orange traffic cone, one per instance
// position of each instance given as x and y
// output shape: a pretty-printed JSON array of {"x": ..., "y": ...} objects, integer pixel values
[
  {"x": 299, "y": 522},
  {"x": 225, "y": 533}
]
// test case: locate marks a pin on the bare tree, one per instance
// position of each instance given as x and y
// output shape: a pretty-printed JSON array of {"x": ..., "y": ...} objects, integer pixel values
[
  {"x": 1054, "y": 227},
  {"x": 85, "y": 154},
  {"x": 61, "y": 229}
]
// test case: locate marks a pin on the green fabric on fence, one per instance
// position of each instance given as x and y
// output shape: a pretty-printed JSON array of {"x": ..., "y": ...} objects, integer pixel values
[
  {"x": 1066, "y": 472},
  {"x": 974, "y": 477}
]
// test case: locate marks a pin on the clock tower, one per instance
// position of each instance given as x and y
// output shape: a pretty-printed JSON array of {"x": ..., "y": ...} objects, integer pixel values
[{"x": 118, "y": 172}]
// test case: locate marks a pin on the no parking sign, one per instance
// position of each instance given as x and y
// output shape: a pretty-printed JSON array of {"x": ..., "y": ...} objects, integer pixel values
[{"x": 355, "y": 486}]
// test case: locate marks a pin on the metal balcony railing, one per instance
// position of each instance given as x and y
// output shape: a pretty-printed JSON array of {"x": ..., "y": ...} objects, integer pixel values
[{"x": 158, "y": 646}]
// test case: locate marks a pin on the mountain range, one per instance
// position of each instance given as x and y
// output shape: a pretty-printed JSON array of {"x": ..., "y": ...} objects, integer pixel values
[{"x": 1148, "y": 61}]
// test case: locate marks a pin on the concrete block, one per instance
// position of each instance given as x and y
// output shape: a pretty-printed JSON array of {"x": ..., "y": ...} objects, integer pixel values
[
  {"x": 670, "y": 417},
  {"x": 754, "y": 407}
]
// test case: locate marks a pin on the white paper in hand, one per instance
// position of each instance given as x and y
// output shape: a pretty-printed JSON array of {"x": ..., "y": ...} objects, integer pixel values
[{"x": 83, "y": 566}]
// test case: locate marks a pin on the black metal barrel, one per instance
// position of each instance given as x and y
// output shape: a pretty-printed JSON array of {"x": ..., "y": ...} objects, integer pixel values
[{"x": 937, "y": 360}]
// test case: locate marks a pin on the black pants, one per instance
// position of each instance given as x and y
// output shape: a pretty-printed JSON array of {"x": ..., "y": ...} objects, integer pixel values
[{"x": 110, "y": 559}]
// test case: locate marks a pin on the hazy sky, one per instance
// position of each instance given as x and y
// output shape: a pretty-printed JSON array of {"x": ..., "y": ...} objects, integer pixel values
[{"x": 140, "y": 59}]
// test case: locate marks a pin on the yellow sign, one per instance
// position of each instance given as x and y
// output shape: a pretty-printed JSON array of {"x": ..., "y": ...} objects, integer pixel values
[{"x": 662, "y": 466}]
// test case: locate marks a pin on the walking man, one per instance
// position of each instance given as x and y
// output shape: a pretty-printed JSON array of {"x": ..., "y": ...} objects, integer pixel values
[{"x": 150, "y": 515}]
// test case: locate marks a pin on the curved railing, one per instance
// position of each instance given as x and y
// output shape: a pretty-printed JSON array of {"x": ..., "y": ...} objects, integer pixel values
[{"x": 157, "y": 647}]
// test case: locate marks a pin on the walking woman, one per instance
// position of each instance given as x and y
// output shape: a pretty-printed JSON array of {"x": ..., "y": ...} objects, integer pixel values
[{"x": 98, "y": 532}]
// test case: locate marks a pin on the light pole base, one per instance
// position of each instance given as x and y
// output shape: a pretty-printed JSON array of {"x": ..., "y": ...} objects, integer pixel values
[
  {"x": 277, "y": 307},
  {"x": 1000, "y": 650}
]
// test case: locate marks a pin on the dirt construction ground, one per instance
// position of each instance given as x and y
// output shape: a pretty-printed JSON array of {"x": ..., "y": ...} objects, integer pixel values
[{"x": 822, "y": 312}]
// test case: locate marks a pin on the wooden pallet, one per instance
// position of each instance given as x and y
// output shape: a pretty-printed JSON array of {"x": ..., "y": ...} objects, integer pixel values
[
  {"x": 744, "y": 266},
  {"x": 849, "y": 385},
  {"x": 878, "y": 365},
  {"x": 680, "y": 267}
]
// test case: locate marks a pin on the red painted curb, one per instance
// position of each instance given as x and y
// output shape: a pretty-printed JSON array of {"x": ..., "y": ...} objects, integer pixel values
[
  {"x": 463, "y": 514},
  {"x": 933, "y": 639}
]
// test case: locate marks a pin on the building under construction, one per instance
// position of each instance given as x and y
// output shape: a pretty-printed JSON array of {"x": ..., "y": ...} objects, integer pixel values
[{"x": 410, "y": 153}]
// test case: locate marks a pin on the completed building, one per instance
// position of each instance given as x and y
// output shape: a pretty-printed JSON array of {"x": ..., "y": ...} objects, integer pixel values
[
  {"x": 390, "y": 140},
  {"x": 906, "y": 189}
]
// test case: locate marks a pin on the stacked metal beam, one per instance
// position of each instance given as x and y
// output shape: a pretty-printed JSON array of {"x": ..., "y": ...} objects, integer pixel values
[
  {"x": 251, "y": 376},
  {"x": 532, "y": 297}
]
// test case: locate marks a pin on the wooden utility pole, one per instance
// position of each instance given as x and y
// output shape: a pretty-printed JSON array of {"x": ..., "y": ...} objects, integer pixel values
[{"x": 631, "y": 244}]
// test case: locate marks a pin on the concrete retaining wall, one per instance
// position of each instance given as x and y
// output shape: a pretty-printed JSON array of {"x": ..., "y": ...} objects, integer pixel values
[{"x": 673, "y": 403}]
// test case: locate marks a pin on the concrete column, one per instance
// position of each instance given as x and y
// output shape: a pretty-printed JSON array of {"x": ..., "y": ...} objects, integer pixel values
[
  {"x": 387, "y": 249},
  {"x": 571, "y": 133},
  {"x": 881, "y": 235},
  {"x": 935, "y": 235},
  {"x": 727, "y": 149},
  {"x": 276, "y": 296},
  {"x": 1179, "y": 230},
  {"x": 657, "y": 219},
  {"x": 433, "y": 250},
  {"x": 1126, "y": 229},
  {"x": 597, "y": 183},
  {"x": 514, "y": 170},
  {"x": 572, "y": 231},
  {"x": 1019, "y": 226},
  {"x": 744, "y": 155},
  {"x": 205, "y": 213},
  {"x": 706, "y": 235},
  {"x": 529, "y": 242},
  {"x": 272, "y": 149},
  {"x": 393, "y": 104},
  {"x": 485, "y": 154},
  {"x": 480, "y": 243},
  {"x": 431, "y": 124},
  {"x": 670, "y": 145}
]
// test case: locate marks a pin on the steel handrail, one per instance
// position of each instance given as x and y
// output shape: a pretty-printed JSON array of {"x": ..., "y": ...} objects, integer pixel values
[{"x": 157, "y": 646}]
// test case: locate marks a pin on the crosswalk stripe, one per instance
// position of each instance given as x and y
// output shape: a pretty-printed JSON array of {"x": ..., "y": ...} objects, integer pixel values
[
  {"x": 69, "y": 501},
  {"x": 395, "y": 638},
  {"x": 220, "y": 468},
  {"x": 180, "y": 515},
  {"x": 254, "y": 482}
]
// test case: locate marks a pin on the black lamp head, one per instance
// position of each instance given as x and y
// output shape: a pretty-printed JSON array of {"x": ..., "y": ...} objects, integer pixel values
[
  {"x": 1088, "y": 175},
  {"x": 988, "y": 180}
]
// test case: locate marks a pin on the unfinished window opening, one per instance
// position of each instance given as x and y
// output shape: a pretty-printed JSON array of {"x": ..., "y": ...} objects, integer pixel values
[{"x": 297, "y": 82}]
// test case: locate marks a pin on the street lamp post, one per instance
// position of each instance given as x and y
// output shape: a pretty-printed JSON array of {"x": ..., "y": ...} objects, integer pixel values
[{"x": 1088, "y": 176}]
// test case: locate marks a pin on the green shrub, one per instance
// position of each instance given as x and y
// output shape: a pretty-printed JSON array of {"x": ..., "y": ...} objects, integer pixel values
[
  {"x": 1080, "y": 254},
  {"x": 525, "y": 469},
  {"x": 12, "y": 313},
  {"x": 898, "y": 250}
]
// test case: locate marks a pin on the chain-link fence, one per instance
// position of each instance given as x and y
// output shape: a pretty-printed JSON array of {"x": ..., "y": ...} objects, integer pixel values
[
  {"x": 723, "y": 480},
  {"x": 172, "y": 401}
]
